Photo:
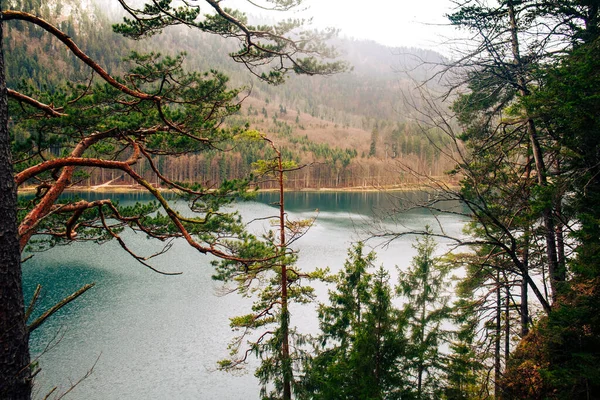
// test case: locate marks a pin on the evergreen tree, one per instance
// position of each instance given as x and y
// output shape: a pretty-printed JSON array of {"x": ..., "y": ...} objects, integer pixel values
[
  {"x": 111, "y": 123},
  {"x": 374, "y": 140},
  {"x": 361, "y": 339},
  {"x": 426, "y": 310},
  {"x": 475, "y": 345},
  {"x": 278, "y": 346}
]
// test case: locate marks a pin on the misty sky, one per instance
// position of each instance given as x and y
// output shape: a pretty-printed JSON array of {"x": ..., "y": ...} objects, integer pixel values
[
  {"x": 411, "y": 23},
  {"x": 408, "y": 23}
]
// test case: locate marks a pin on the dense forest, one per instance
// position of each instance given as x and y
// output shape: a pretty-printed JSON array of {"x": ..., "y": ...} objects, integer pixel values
[
  {"x": 508, "y": 127},
  {"x": 353, "y": 129}
]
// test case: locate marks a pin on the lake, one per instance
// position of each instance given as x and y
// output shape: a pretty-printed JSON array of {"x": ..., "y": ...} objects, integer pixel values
[{"x": 149, "y": 336}]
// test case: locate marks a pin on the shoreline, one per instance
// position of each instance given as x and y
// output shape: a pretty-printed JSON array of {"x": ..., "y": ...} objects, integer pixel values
[{"x": 137, "y": 188}]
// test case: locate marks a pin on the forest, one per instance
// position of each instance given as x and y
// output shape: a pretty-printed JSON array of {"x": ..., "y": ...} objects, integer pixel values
[
  {"x": 508, "y": 127},
  {"x": 346, "y": 125}
]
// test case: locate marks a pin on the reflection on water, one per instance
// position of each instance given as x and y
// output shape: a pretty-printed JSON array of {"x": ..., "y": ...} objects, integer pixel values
[
  {"x": 352, "y": 202},
  {"x": 160, "y": 337}
]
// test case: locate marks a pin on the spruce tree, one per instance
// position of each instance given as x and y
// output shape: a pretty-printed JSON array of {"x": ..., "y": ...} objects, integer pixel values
[
  {"x": 361, "y": 339},
  {"x": 426, "y": 310}
]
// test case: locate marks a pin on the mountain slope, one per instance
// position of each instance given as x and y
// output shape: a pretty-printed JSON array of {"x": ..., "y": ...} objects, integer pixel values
[{"x": 354, "y": 128}]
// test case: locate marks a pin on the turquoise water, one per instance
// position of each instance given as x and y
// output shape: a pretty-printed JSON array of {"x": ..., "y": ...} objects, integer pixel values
[{"x": 149, "y": 336}]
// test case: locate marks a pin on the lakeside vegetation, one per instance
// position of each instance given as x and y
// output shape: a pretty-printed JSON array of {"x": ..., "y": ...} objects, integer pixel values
[
  {"x": 516, "y": 143},
  {"x": 352, "y": 128}
]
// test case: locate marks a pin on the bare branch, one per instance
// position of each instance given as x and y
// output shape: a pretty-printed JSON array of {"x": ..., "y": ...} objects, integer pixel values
[
  {"x": 42, "y": 318},
  {"x": 48, "y": 109}
]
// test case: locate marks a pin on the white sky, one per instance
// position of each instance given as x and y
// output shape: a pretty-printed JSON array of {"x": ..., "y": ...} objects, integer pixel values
[
  {"x": 402, "y": 23},
  {"x": 409, "y": 23}
]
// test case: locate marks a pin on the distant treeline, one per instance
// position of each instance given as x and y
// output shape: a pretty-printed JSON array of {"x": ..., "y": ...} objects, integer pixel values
[{"x": 350, "y": 130}]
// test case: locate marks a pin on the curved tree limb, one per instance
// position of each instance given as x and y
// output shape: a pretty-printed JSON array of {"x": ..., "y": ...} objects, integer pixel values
[
  {"x": 8, "y": 15},
  {"x": 48, "y": 109}
]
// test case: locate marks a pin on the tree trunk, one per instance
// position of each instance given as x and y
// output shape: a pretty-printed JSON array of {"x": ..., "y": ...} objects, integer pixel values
[
  {"x": 506, "y": 325},
  {"x": 420, "y": 369},
  {"x": 285, "y": 346},
  {"x": 556, "y": 275},
  {"x": 524, "y": 308},
  {"x": 498, "y": 334},
  {"x": 15, "y": 375}
]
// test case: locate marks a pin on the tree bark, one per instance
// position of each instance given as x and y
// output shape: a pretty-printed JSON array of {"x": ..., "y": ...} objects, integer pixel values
[
  {"x": 556, "y": 275},
  {"x": 285, "y": 346},
  {"x": 524, "y": 309},
  {"x": 15, "y": 374},
  {"x": 498, "y": 334},
  {"x": 506, "y": 324}
]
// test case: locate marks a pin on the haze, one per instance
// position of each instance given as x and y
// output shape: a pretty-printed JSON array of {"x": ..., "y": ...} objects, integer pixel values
[
  {"x": 406, "y": 23},
  {"x": 394, "y": 23}
]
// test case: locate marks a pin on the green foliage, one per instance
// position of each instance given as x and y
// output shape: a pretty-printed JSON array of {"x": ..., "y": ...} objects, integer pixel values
[
  {"x": 156, "y": 17},
  {"x": 559, "y": 358},
  {"x": 426, "y": 309},
  {"x": 568, "y": 103},
  {"x": 470, "y": 344},
  {"x": 123, "y": 124},
  {"x": 273, "y": 278},
  {"x": 264, "y": 167},
  {"x": 361, "y": 337},
  {"x": 565, "y": 362},
  {"x": 464, "y": 372},
  {"x": 282, "y": 48},
  {"x": 531, "y": 127},
  {"x": 374, "y": 140},
  {"x": 269, "y": 320}
]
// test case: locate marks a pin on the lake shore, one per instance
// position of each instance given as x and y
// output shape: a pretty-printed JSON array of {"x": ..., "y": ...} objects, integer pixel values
[{"x": 138, "y": 188}]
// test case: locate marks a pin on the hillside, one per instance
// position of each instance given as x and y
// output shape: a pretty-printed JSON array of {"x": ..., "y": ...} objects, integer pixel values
[{"x": 354, "y": 128}]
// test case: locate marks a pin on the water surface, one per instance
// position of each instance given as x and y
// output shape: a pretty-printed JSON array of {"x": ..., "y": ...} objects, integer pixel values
[{"x": 150, "y": 336}]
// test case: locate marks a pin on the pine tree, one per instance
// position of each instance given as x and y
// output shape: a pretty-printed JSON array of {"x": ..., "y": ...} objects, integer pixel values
[
  {"x": 426, "y": 310},
  {"x": 279, "y": 346},
  {"x": 361, "y": 339}
]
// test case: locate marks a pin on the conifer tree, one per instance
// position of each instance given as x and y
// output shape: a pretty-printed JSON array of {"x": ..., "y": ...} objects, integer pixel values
[
  {"x": 426, "y": 310},
  {"x": 277, "y": 284},
  {"x": 111, "y": 123},
  {"x": 361, "y": 339}
]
